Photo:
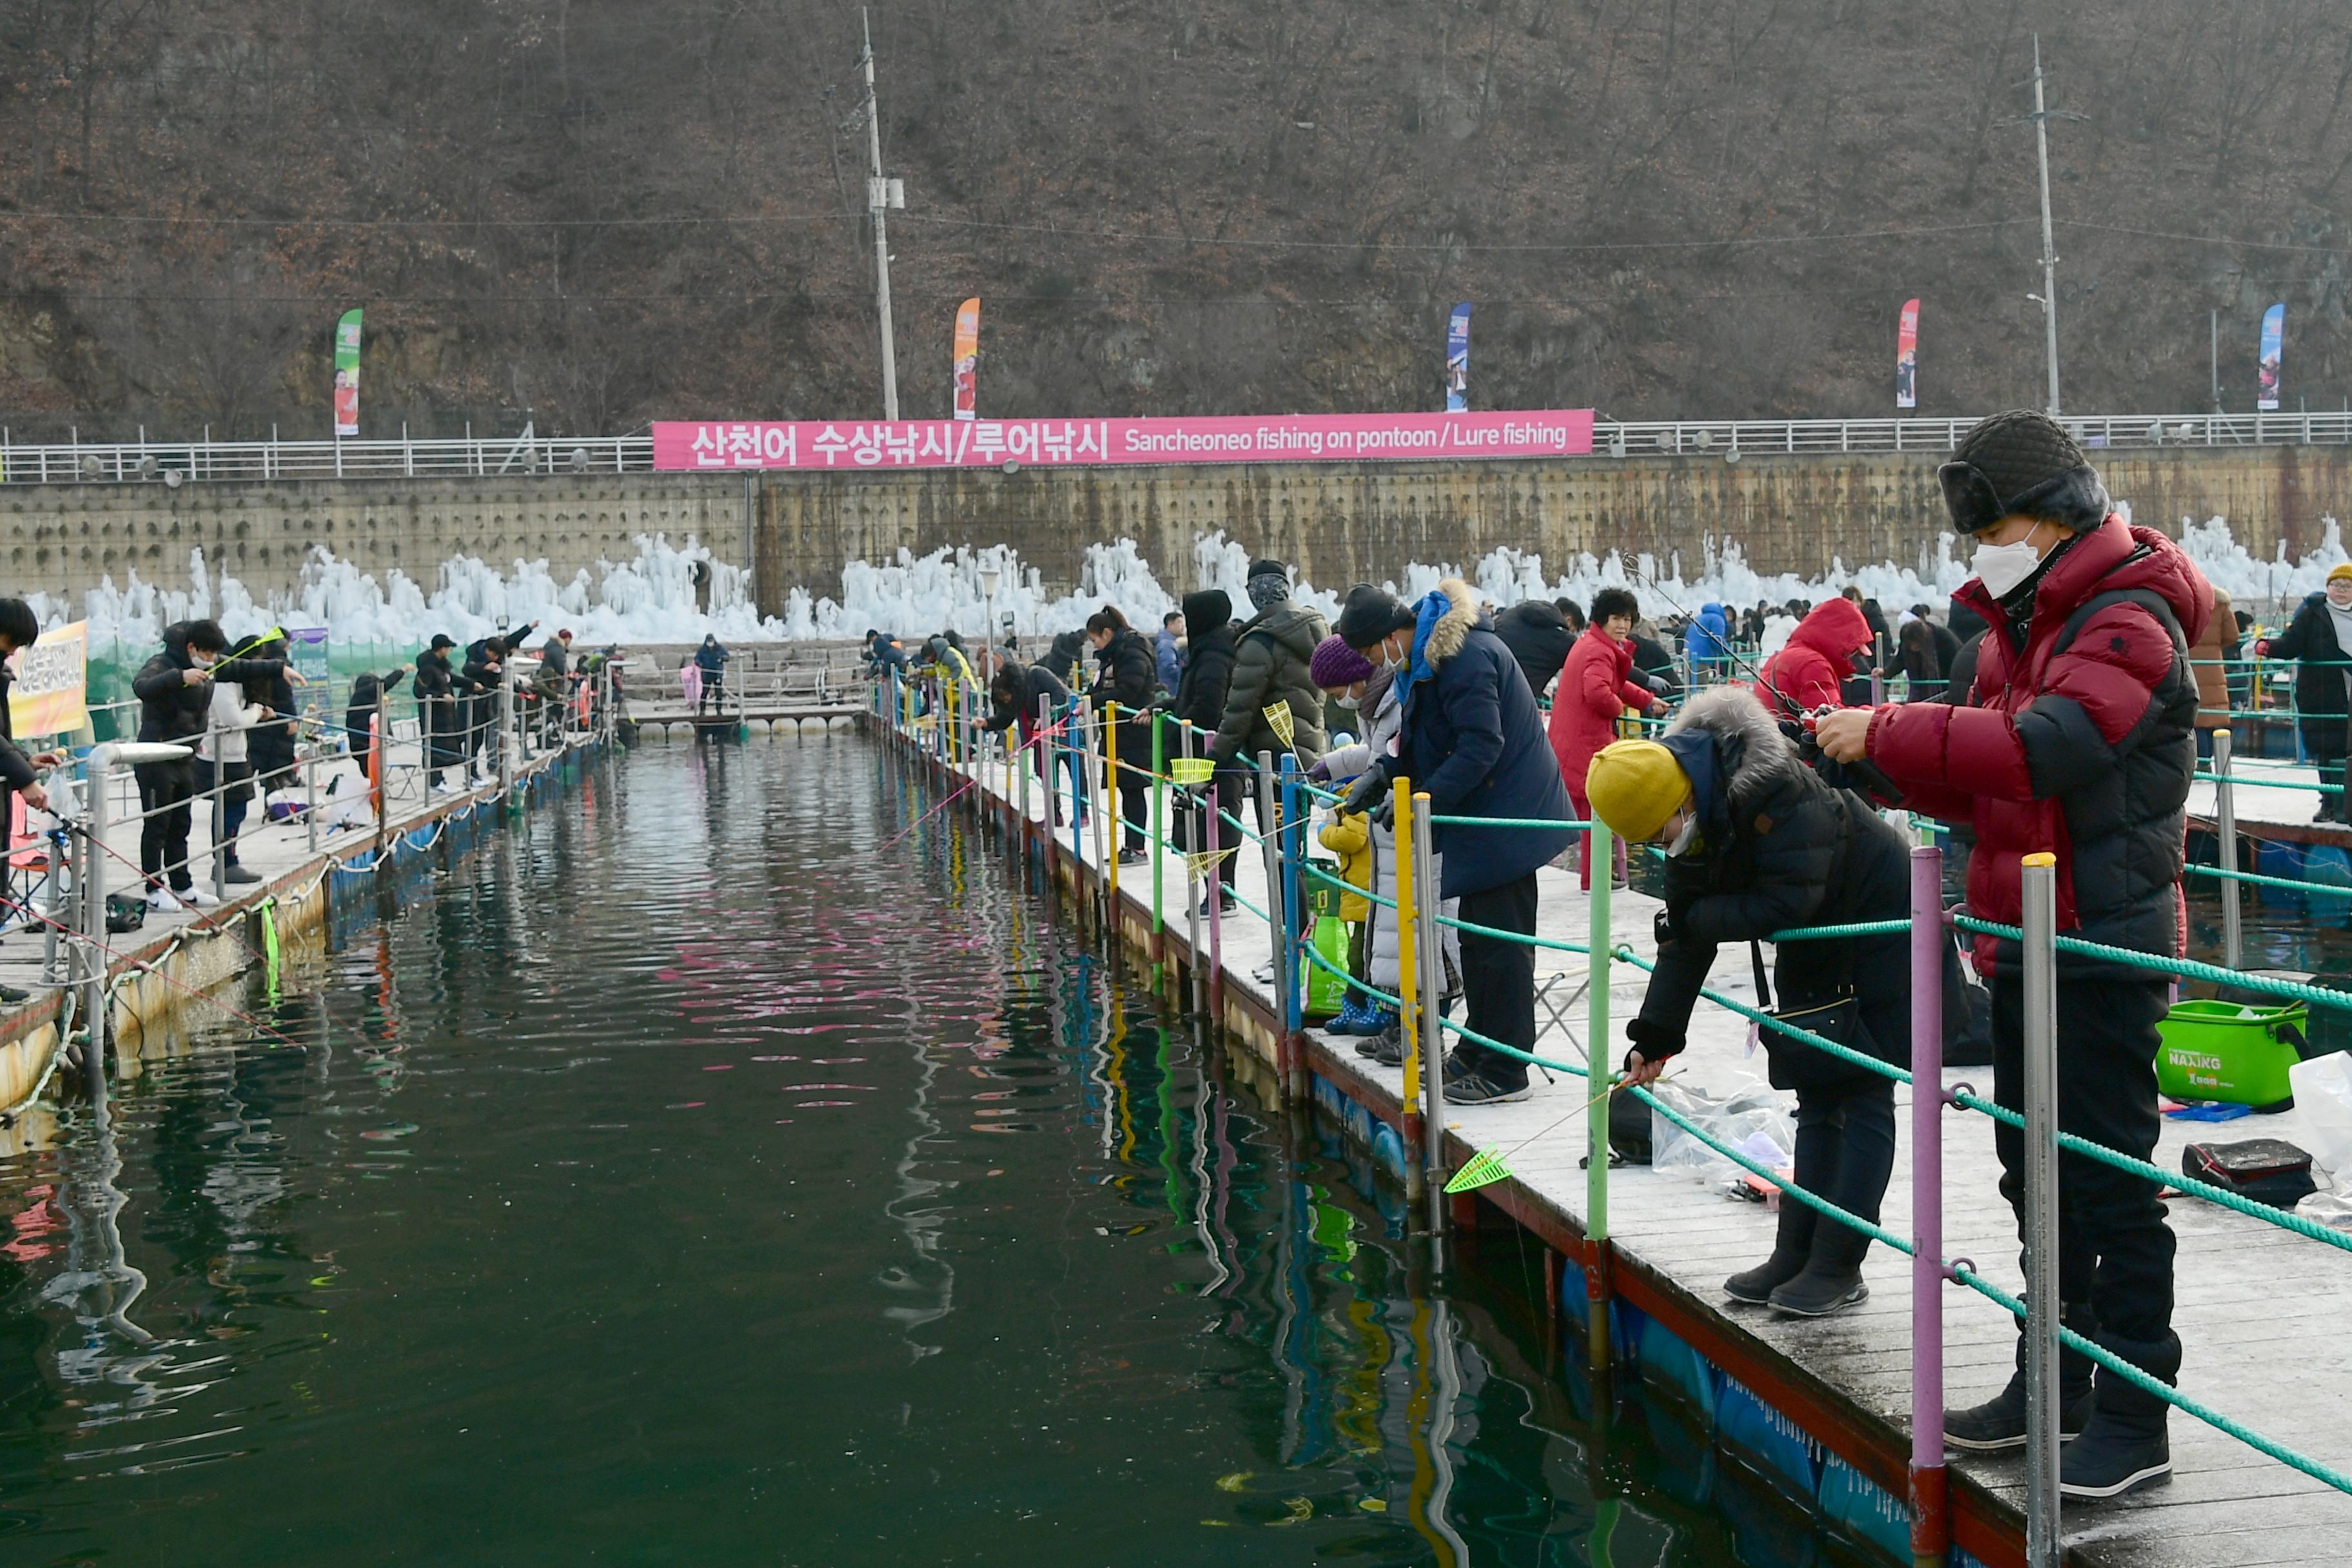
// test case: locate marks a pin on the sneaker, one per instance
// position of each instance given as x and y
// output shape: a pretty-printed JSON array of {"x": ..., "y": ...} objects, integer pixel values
[
  {"x": 240, "y": 875},
  {"x": 163, "y": 898},
  {"x": 1387, "y": 1048},
  {"x": 1467, "y": 1086},
  {"x": 2107, "y": 1461},
  {"x": 446, "y": 787},
  {"x": 195, "y": 897},
  {"x": 1999, "y": 1422},
  {"x": 1211, "y": 910},
  {"x": 1132, "y": 856}
]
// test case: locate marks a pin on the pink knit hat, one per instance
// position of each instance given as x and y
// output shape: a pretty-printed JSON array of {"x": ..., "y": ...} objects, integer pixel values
[{"x": 1336, "y": 665}]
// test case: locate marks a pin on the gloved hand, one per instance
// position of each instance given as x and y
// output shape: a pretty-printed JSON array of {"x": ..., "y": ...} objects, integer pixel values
[
  {"x": 1664, "y": 929},
  {"x": 1320, "y": 773},
  {"x": 1652, "y": 1044},
  {"x": 1367, "y": 789},
  {"x": 1383, "y": 811}
]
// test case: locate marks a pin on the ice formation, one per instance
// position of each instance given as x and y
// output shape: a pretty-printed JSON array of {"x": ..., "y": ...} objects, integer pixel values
[{"x": 653, "y": 597}]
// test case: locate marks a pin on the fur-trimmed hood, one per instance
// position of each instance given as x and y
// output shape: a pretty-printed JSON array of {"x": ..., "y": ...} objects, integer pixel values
[
  {"x": 1445, "y": 635},
  {"x": 1746, "y": 759}
]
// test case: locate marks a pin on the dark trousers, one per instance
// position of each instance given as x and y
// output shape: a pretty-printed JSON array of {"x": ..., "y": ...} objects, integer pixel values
[
  {"x": 2323, "y": 742},
  {"x": 164, "y": 789},
  {"x": 1192, "y": 823},
  {"x": 1845, "y": 1149},
  {"x": 443, "y": 740},
  {"x": 1499, "y": 979},
  {"x": 714, "y": 689},
  {"x": 2115, "y": 1250},
  {"x": 235, "y": 782}
]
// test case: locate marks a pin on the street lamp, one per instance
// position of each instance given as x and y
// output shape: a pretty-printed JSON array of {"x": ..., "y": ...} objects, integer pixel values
[{"x": 991, "y": 574}]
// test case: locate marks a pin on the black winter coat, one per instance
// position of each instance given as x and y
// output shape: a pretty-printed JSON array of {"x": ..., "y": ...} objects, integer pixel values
[
  {"x": 435, "y": 679},
  {"x": 1031, "y": 681},
  {"x": 1128, "y": 673},
  {"x": 270, "y": 745},
  {"x": 1537, "y": 636},
  {"x": 365, "y": 692},
  {"x": 1780, "y": 848},
  {"x": 2319, "y": 680},
  {"x": 172, "y": 710},
  {"x": 1208, "y": 676},
  {"x": 1472, "y": 735},
  {"x": 1656, "y": 666}
]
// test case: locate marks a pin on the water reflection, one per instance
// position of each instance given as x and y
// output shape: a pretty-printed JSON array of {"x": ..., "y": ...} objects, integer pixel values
[{"x": 679, "y": 1176}]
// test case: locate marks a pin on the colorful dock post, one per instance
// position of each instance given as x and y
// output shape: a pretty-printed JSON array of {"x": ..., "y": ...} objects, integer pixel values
[
  {"x": 1931, "y": 1523},
  {"x": 1408, "y": 991},
  {"x": 1603, "y": 852},
  {"x": 1111, "y": 797},
  {"x": 1159, "y": 842}
]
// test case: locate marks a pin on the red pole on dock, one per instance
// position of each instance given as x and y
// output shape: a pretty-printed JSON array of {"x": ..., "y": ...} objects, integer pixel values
[{"x": 1931, "y": 1522}]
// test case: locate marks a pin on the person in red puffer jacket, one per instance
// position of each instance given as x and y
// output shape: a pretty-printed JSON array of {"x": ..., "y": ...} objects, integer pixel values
[
  {"x": 1815, "y": 661},
  {"x": 2076, "y": 739},
  {"x": 1596, "y": 688}
]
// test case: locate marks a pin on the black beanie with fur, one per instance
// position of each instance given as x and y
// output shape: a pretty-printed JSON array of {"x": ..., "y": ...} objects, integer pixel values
[{"x": 2021, "y": 463}]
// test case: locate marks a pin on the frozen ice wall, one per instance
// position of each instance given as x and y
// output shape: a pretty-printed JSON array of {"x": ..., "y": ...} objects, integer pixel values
[{"x": 651, "y": 596}]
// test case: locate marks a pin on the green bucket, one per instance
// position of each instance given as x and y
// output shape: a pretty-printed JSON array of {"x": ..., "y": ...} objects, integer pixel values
[{"x": 2230, "y": 1051}]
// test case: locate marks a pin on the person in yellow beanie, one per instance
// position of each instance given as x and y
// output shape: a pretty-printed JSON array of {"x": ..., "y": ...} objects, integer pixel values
[{"x": 1756, "y": 844}]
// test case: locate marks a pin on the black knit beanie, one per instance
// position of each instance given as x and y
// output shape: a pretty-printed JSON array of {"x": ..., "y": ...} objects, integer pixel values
[
  {"x": 2021, "y": 463},
  {"x": 1371, "y": 613}
]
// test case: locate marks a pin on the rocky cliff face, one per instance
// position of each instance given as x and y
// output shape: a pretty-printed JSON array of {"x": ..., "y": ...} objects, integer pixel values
[{"x": 1662, "y": 208}]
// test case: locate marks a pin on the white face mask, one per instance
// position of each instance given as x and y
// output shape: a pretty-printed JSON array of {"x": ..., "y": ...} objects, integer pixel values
[
  {"x": 1685, "y": 839},
  {"x": 2002, "y": 567},
  {"x": 1347, "y": 702}
]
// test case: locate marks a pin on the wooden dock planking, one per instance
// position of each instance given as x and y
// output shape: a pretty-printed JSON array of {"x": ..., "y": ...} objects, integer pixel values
[{"x": 2260, "y": 1310}]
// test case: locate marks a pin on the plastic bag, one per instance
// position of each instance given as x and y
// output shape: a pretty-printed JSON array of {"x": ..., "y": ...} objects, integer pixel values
[
  {"x": 2329, "y": 1206},
  {"x": 1740, "y": 1111},
  {"x": 2323, "y": 1097}
]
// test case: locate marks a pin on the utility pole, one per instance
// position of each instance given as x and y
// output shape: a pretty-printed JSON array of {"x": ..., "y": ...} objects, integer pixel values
[
  {"x": 881, "y": 194},
  {"x": 2048, "y": 298},
  {"x": 2213, "y": 327}
]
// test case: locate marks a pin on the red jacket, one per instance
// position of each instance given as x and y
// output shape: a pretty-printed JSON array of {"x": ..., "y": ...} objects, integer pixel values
[
  {"x": 2086, "y": 753},
  {"x": 1819, "y": 656},
  {"x": 1594, "y": 693}
]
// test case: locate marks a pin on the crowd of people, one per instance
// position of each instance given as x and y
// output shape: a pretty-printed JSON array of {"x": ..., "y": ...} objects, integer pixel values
[{"x": 2059, "y": 706}]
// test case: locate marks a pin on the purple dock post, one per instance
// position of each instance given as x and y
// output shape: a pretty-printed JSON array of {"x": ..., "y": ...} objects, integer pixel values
[{"x": 1931, "y": 1524}]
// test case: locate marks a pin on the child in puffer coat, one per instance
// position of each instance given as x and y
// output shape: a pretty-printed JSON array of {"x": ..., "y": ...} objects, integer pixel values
[{"x": 1348, "y": 678}]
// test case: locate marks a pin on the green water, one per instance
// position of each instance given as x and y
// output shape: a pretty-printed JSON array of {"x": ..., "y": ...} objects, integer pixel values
[{"x": 692, "y": 1176}]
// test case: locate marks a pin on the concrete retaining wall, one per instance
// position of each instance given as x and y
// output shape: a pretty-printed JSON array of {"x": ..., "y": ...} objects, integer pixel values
[{"x": 1335, "y": 522}]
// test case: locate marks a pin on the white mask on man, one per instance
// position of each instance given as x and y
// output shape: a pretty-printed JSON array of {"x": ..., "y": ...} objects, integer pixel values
[{"x": 2002, "y": 567}]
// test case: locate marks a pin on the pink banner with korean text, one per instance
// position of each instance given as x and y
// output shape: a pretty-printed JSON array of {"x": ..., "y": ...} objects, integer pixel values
[{"x": 689, "y": 446}]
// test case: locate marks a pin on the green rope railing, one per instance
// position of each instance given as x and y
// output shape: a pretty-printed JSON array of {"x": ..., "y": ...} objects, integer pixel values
[
  {"x": 2187, "y": 968},
  {"x": 2339, "y": 889},
  {"x": 2107, "y": 1358}
]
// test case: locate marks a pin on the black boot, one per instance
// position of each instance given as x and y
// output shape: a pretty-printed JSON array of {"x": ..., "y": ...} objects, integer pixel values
[
  {"x": 2123, "y": 1446},
  {"x": 1831, "y": 1281},
  {"x": 1792, "y": 1248},
  {"x": 1999, "y": 1422}
]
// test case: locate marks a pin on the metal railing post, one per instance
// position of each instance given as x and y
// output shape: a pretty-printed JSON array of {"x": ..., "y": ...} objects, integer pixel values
[
  {"x": 1410, "y": 1002},
  {"x": 310, "y": 794},
  {"x": 220, "y": 804},
  {"x": 1048, "y": 779},
  {"x": 2225, "y": 823},
  {"x": 1195, "y": 841},
  {"x": 1431, "y": 956},
  {"x": 1931, "y": 1530},
  {"x": 1270, "y": 848},
  {"x": 1087, "y": 770},
  {"x": 93, "y": 915},
  {"x": 1116, "y": 800},
  {"x": 1215, "y": 900},
  {"x": 1158, "y": 836},
  {"x": 1602, "y": 848},
  {"x": 505, "y": 715},
  {"x": 2039, "y": 877},
  {"x": 1289, "y": 822}
]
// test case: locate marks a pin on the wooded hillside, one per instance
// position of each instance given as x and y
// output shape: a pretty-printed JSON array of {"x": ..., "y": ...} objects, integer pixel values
[{"x": 608, "y": 213}]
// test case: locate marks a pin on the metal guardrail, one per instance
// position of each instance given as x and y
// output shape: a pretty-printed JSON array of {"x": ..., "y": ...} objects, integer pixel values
[{"x": 483, "y": 456}]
